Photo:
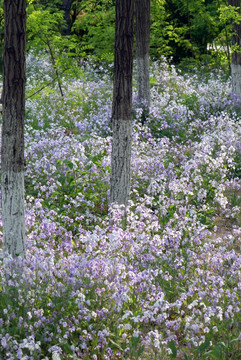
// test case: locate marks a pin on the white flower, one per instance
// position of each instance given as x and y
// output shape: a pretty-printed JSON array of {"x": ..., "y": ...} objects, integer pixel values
[
  {"x": 136, "y": 333},
  {"x": 127, "y": 326},
  {"x": 56, "y": 356},
  {"x": 93, "y": 314},
  {"x": 55, "y": 349},
  {"x": 29, "y": 315},
  {"x": 127, "y": 314},
  {"x": 206, "y": 319},
  {"x": 156, "y": 343}
]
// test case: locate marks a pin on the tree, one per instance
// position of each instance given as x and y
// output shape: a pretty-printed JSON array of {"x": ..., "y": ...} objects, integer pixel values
[
  {"x": 236, "y": 54},
  {"x": 66, "y": 7},
  {"x": 95, "y": 28},
  {"x": 142, "y": 9},
  {"x": 13, "y": 218},
  {"x": 44, "y": 33},
  {"x": 122, "y": 103},
  {"x": 183, "y": 28}
]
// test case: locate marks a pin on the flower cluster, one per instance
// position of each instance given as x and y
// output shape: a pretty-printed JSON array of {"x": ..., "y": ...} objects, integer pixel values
[{"x": 157, "y": 279}]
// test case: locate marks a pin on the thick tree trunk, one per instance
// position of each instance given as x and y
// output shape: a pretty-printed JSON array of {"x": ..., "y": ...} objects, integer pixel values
[
  {"x": 122, "y": 103},
  {"x": 13, "y": 127},
  {"x": 236, "y": 55},
  {"x": 142, "y": 9}
]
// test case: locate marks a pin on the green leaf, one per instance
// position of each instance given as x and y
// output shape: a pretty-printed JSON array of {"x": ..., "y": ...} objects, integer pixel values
[
  {"x": 234, "y": 341},
  {"x": 208, "y": 354},
  {"x": 67, "y": 348},
  {"x": 135, "y": 340},
  {"x": 141, "y": 350},
  {"x": 204, "y": 346},
  {"x": 116, "y": 345},
  {"x": 88, "y": 167},
  {"x": 68, "y": 163},
  {"x": 173, "y": 348},
  {"x": 217, "y": 353}
]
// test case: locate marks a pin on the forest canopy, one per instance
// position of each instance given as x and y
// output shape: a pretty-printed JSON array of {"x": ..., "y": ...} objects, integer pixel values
[{"x": 197, "y": 30}]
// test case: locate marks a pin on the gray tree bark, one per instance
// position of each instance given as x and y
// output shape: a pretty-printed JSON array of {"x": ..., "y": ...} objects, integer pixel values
[
  {"x": 142, "y": 9},
  {"x": 122, "y": 103},
  {"x": 236, "y": 55},
  {"x": 12, "y": 152}
]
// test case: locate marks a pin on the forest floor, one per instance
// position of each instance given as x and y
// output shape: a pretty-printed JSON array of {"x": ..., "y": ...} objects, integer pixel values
[{"x": 161, "y": 282}]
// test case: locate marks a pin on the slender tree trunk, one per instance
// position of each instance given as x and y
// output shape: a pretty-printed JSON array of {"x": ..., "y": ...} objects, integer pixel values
[
  {"x": 122, "y": 103},
  {"x": 47, "y": 42},
  {"x": 236, "y": 55},
  {"x": 13, "y": 127},
  {"x": 66, "y": 6},
  {"x": 142, "y": 9}
]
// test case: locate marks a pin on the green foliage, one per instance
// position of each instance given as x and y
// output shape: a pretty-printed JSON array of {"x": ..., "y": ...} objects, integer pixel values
[
  {"x": 229, "y": 15},
  {"x": 42, "y": 27},
  {"x": 44, "y": 34},
  {"x": 95, "y": 27},
  {"x": 221, "y": 350},
  {"x": 183, "y": 28},
  {"x": 173, "y": 348},
  {"x": 236, "y": 171},
  {"x": 73, "y": 180}
]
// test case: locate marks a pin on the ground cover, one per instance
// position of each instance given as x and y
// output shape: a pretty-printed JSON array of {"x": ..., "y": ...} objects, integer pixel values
[{"x": 163, "y": 283}]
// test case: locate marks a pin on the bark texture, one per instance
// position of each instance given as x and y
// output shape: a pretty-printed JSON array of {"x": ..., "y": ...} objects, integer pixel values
[
  {"x": 142, "y": 9},
  {"x": 236, "y": 55},
  {"x": 12, "y": 151},
  {"x": 122, "y": 103}
]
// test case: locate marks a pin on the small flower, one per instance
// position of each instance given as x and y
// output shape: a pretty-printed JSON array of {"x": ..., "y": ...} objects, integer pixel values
[
  {"x": 55, "y": 348},
  {"x": 127, "y": 326},
  {"x": 4, "y": 342},
  {"x": 56, "y": 356},
  {"x": 136, "y": 333}
]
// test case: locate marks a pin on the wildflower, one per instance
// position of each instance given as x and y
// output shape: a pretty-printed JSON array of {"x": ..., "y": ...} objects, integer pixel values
[
  {"x": 4, "y": 342},
  {"x": 55, "y": 356}
]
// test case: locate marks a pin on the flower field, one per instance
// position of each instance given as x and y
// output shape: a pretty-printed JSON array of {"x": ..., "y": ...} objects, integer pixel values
[{"x": 161, "y": 282}]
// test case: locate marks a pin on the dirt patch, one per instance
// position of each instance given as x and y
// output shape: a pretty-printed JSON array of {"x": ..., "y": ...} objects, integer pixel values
[{"x": 227, "y": 232}]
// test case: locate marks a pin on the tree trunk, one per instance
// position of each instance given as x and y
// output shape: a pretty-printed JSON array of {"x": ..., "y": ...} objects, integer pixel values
[
  {"x": 66, "y": 7},
  {"x": 14, "y": 240},
  {"x": 236, "y": 55},
  {"x": 142, "y": 8},
  {"x": 122, "y": 103}
]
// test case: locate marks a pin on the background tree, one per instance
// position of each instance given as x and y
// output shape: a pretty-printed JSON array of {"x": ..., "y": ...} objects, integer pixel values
[
  {"x": 142, "y": 11},
  {"x": 185, "y": 31},
  {"x": 183, "y": 28},
  {"x": 236, "y": 53},
  {"x": 1, "y": 34},
  {"x": 122, "y": 103},
  {"x": 44, "y": 27},
  {"x": 13, "y": 127},
  {"x": 95, "y": 28},
  {"x": 66, "y": 7}
]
